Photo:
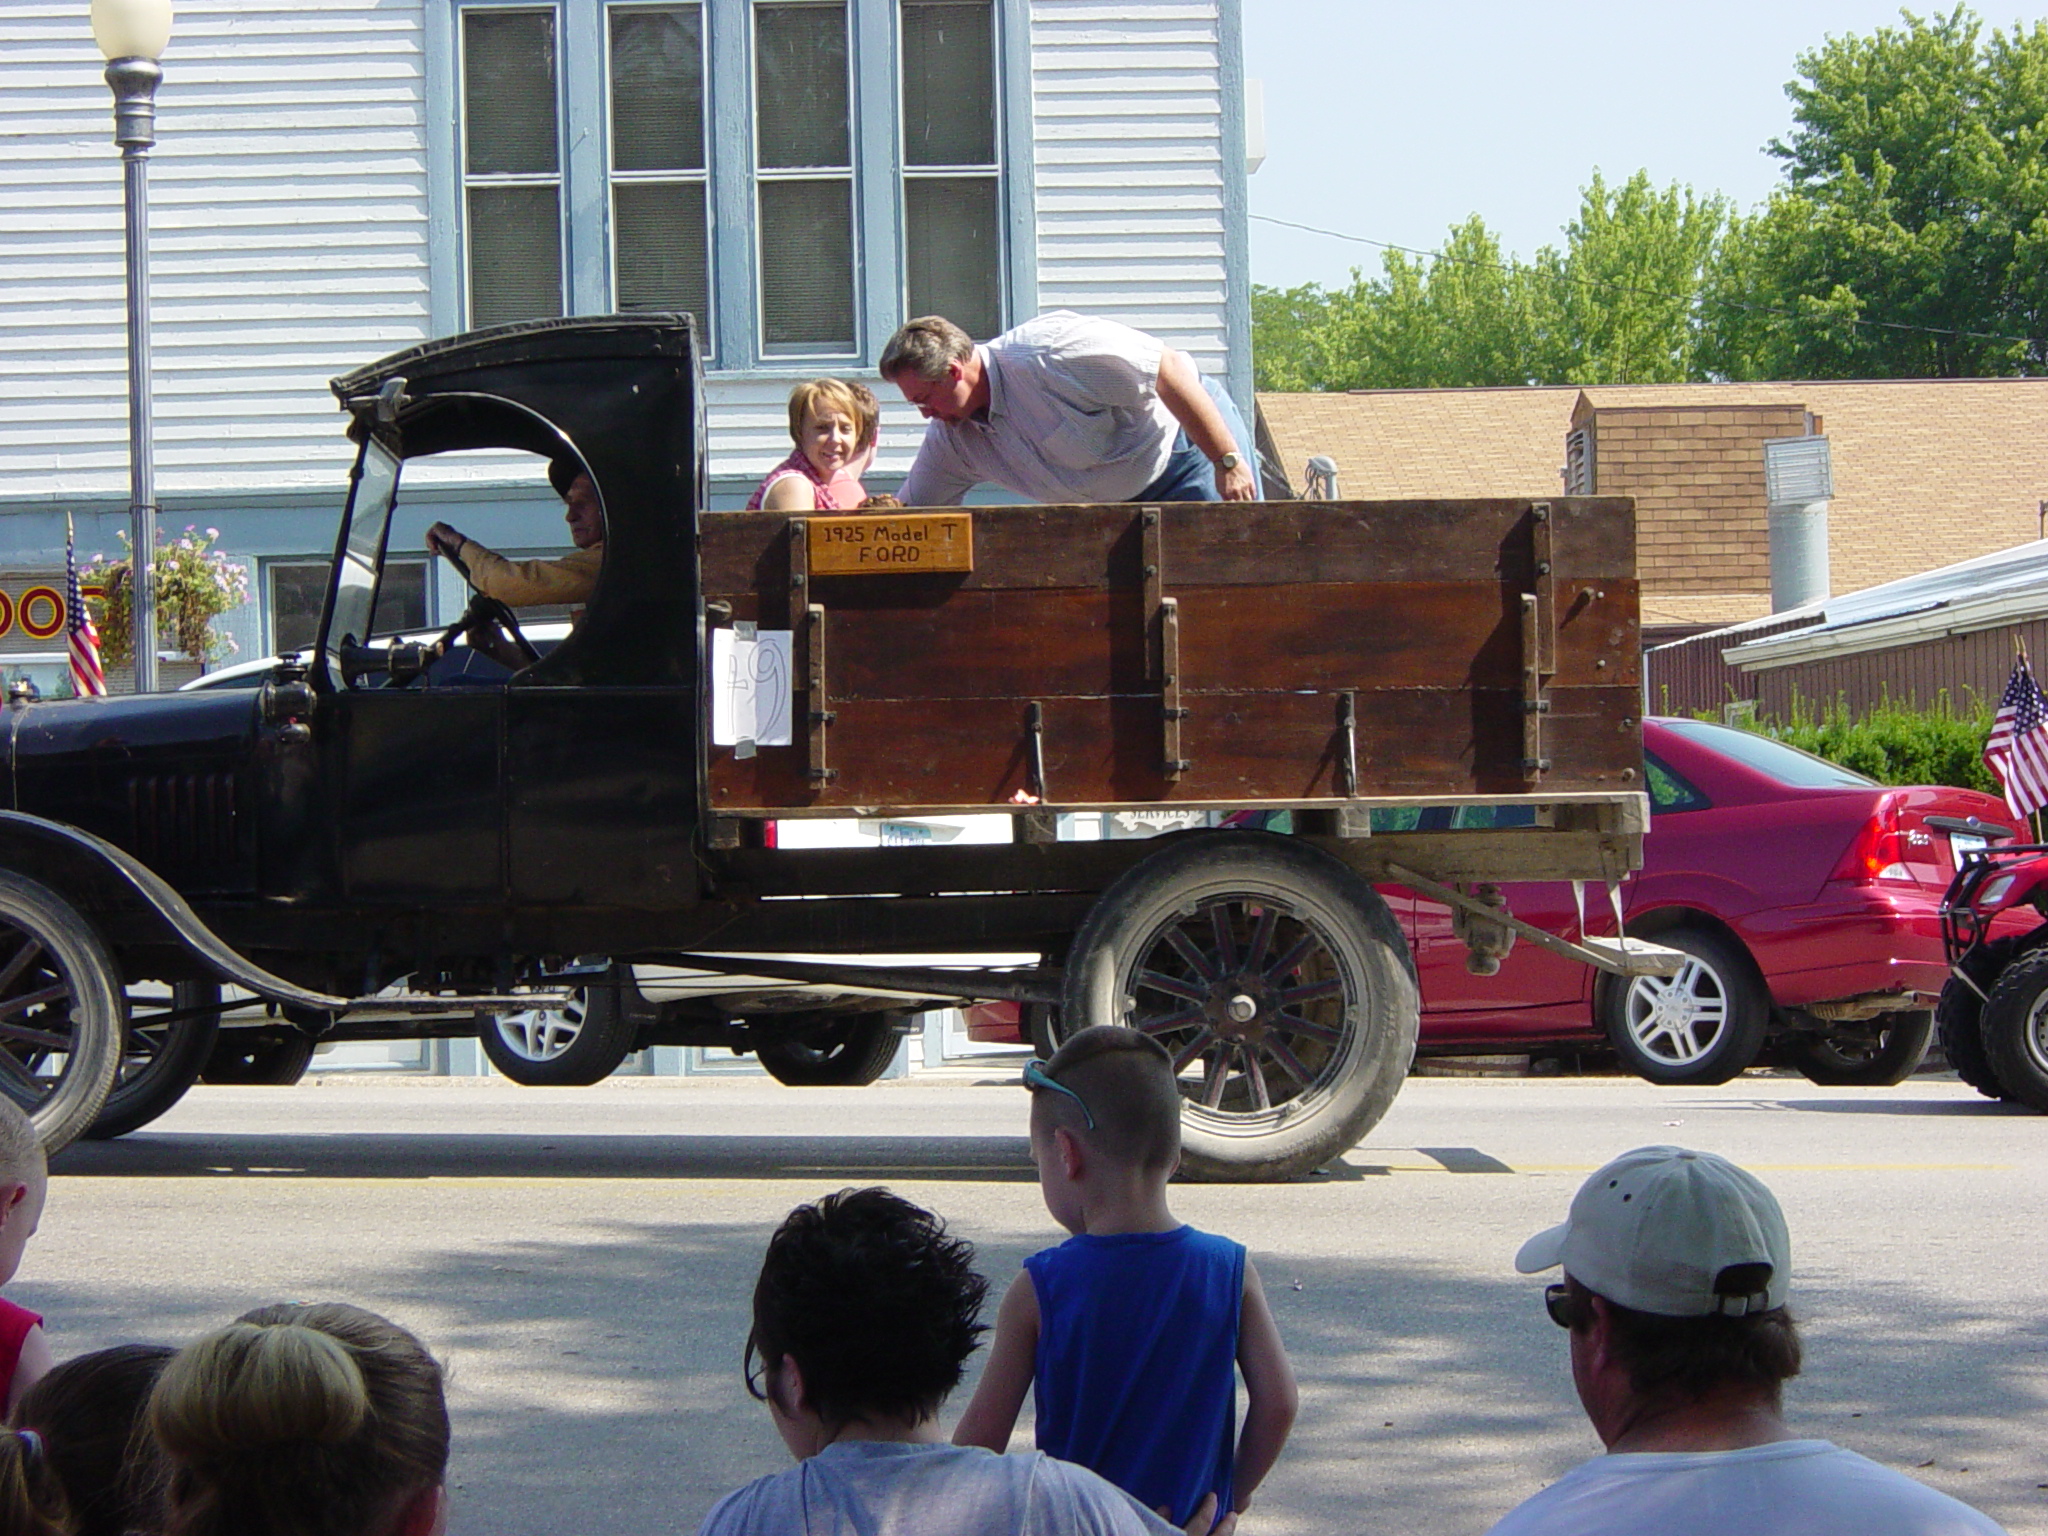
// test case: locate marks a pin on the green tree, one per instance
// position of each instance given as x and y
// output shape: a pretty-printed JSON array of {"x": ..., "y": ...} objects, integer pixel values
[
  {"x": 1911, "y": 237},
  {"x": 1620, "y": 304}
]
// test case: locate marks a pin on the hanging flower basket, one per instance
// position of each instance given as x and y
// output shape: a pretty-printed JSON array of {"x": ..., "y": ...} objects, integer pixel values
[{"x": 194, "y": 586}]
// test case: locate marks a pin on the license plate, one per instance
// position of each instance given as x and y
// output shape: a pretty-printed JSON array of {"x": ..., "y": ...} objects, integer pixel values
[
  {"x": 893, "y": 545},
  {"x": 1960, "y": 843}
]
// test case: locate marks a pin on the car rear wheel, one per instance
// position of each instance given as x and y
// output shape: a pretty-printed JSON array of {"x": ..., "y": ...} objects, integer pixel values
[
  {"x": 62, "y": 1012},
  {"x": 569, "y": 1045},
  {"x": 1705, "y": 1025},
  {"x": 1959, "y": 1013},
  {"x": 2015, "y": 1029},
  {"x": 1872, "y": 1053},
  {"x": 1278, "y": 982},
  {"x": 848, "y": 1050},
  {"x": 161, "y": 1058}
]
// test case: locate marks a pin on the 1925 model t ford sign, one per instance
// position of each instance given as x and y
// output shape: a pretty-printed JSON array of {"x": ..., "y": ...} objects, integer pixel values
[{"x": 391, "y": 838}]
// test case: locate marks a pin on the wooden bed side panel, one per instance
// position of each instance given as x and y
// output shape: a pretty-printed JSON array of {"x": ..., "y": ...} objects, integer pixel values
[{"x": 1414, "y": 610}]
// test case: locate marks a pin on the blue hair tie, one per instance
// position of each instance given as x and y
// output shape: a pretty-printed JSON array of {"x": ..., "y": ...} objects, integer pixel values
[{"x": 31, "y": 1445}]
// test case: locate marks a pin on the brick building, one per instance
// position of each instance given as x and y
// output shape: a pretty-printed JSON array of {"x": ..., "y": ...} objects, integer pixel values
[{"x": 1927, "y": 471}]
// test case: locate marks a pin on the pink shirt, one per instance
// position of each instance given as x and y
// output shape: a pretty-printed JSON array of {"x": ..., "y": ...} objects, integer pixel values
[
  {"x": 842, "y": 493},
  {"x": 15, "y": 1323}
]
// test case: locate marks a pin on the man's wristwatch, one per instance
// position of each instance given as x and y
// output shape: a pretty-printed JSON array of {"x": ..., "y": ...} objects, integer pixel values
[{"x": 1228, "y": 462}]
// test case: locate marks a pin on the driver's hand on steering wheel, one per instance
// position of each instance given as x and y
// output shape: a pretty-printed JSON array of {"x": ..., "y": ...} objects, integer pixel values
[{"x": 443, "y": 540}]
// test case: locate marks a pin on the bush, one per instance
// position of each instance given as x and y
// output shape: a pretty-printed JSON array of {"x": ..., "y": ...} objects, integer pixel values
[{"x": 1891, "y": 743}]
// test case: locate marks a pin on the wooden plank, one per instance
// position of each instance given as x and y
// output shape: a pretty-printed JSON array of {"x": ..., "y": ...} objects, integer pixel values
[
  {"x": 1244, "y": 748},
  {"x": 1234, "y": 638},
  {"x": 1260, "y": 544}
]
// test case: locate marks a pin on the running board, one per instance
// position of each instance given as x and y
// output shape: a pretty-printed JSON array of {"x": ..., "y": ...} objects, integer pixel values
[{"x": 1618, "y": 957}]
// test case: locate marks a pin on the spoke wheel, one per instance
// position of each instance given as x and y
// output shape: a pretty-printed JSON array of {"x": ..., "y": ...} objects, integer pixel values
[
  {"x": 1873, "y": 1053},
  {"x": 2015, "y": 1030},
  {"x": 1275, "y": 978},
  {"x": 848, "y": 1050},
  {"x": 161, "y": 1057},
  {"x": 571, "y": 1045},
  {"x": 61, "y": 1012}
]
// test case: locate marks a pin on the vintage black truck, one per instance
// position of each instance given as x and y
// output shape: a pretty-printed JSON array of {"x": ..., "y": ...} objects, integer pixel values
[{"x": 387, "y": 839}]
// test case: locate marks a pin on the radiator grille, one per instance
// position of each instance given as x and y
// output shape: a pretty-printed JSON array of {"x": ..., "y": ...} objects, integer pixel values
[{"x": 184, "y": 820}]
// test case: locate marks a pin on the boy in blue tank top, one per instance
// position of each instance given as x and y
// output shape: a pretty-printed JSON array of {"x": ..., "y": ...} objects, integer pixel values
[{"x": 1131, "y": 1333}]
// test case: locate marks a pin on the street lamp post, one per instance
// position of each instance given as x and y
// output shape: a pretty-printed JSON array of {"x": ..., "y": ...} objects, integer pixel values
[{"x": 132, "y": 35}]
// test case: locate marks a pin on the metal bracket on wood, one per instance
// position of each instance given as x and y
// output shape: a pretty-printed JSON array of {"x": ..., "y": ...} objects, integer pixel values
[
  {"x": 1347, "y": 747},
  {"x": 1034, "y": 725},
  {"x": 1162, "y": 656},
  {"x": 821, "y": 716},
  {"x": 1539, "y": 642},
  {"x": 807, "y": 625}
]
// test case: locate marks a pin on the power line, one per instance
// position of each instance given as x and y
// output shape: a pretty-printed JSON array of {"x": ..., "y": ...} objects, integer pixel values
[{"x": 1647, "y": 293}]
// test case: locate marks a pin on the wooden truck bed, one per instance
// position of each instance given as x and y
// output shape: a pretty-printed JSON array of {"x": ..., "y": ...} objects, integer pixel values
[{"x": 1279, "y": 653}]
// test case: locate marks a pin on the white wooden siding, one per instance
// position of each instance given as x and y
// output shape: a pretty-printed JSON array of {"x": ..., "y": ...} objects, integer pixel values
[
  {"x": 1128, "y": 102},
  {"x": 290, "y": 233},
  {"x": 288, "y": 242}
]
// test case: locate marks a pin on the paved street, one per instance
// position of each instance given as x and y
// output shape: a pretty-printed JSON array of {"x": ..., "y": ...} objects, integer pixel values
[{"x": 582, "y": 1259}]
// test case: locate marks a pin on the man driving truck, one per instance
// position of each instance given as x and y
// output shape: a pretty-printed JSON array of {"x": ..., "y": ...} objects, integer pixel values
[{"x": 526, "y": 583}]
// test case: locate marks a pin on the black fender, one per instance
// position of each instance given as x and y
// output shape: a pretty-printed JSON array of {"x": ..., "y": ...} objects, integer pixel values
[{"x": 134, "y": 905}]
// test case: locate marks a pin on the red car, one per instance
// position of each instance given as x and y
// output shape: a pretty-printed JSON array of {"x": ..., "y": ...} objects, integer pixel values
[{"x": 1807, "y": 894}]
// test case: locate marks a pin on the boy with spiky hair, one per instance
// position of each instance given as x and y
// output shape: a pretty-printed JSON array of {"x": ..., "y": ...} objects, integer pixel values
[{"x": 1130, "y": 1334}]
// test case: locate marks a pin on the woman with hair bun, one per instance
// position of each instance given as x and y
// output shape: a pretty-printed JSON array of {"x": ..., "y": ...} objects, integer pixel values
[{"x": 322, "y": 1420}]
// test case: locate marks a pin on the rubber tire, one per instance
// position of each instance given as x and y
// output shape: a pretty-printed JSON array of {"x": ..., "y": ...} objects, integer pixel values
[
  {"x": 1902, "y": 1045},
  {"x": 1734, "y": 1046},
  {"x": 1380, "y": 1006},
  {"x": 856, "y": 1050},
  {"x": 98, "y": 1008},
  {"x": 1958, "y": 1016},
  {"x": 2015, "y": 1035},
  {"x": 272, "y": 1056},
  {"x": 146, "y": 1091},
  {"x": 605, "y": 1036}
]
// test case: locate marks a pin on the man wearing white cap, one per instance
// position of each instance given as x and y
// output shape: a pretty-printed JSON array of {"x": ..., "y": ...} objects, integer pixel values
[{"x": 1676, "y": 1270}]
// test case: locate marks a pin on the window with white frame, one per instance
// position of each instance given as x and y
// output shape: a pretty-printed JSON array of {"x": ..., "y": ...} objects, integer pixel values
[
  {"x": 840, "y": 161},
  {"x": 661, "y": 244},
  {"x": 511, "y": 165}
]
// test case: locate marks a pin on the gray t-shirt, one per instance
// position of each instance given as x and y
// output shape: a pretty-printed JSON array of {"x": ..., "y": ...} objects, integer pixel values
[
  {"x": 1786, "y": 1488},
  {"x": 886, "y": 1488}
]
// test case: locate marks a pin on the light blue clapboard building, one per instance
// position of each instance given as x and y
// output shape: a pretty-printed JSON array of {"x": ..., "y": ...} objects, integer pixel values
[{"x": 338, "y": 179}]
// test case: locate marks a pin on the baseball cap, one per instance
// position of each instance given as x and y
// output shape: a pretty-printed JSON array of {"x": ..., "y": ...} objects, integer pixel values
[
  {"x": 562, "y": 472},
  {"x": 1657, "y": 1230}
]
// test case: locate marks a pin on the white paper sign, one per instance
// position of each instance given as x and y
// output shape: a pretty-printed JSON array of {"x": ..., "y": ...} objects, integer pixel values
[{"x": 751, "y": 688}]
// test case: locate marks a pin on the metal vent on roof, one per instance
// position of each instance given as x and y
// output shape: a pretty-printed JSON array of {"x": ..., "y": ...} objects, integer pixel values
[{"x": 1797, "y": 470}]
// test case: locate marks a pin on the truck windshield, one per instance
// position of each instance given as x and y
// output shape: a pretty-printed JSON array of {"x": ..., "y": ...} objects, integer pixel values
[{"x": 361, "y": 553}]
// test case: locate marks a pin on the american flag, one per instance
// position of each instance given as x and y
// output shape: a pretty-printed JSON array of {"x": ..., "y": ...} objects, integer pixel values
[
  {"x": 2017, "y": 751},
  {"x": 88, "y": 678}
]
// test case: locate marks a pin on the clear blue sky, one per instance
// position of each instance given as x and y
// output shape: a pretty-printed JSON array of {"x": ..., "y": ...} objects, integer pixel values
[{"x": 1395, "y": 119}]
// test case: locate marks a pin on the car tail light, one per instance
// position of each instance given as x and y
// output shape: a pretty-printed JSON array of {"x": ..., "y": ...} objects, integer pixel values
[{"x": 1885, "y": 848}]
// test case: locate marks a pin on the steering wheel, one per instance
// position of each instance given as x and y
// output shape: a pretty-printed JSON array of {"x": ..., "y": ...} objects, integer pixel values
[{"x": 490, "y": 612}]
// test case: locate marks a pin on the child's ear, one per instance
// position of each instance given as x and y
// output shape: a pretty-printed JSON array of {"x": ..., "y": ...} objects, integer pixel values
[
  {"x": 425, "y": 1513},
  {"x": 11, "y": 1196},
  {"x": 1073, "y": 1156},
  {"x": 786, "y": 1386}
]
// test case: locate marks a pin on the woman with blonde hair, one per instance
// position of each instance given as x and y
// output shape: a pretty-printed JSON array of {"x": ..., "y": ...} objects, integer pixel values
[
  {"x": 321, "y": 1420},
  {"x": 834, "y": 423}
]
